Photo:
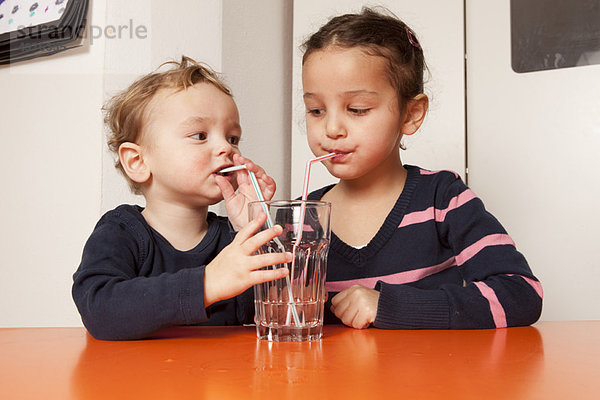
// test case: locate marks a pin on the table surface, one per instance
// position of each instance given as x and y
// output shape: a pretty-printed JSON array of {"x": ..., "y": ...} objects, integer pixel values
[{"x": 548, "y": 360}]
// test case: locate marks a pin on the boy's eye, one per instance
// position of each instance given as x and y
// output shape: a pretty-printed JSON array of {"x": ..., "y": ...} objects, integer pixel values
[
  {"x": 315, "y": 111},
  {"x": 359, "y": 111},
  {"x": 199, "y": 136},
  {"x": 235, "y": 140}
]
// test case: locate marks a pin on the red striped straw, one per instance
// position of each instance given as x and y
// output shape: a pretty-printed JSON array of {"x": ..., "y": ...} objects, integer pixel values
[
  {"x": 309, "y": 164},
  {"x": 300, "y": 227}
]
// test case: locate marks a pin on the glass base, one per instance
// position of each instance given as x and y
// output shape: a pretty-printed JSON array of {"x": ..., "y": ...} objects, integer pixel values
[{"x": 289, "y": 333}]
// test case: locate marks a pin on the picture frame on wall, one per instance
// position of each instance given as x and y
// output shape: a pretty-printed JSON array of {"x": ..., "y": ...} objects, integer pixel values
[
  {"x": 553, "y": 34},
  {"x": 30, "y": 29}
]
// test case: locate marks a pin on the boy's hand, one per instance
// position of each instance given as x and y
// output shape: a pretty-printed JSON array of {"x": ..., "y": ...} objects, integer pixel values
[
  {"x": 236, "y": 204},
  {"x": 236, "y": 268},
  {"x": 356, "y": 306}
]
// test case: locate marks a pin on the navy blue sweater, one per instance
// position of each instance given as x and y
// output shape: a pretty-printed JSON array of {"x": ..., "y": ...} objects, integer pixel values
[
  {"x": 131, "y": 282},
  {"x": 439, "y": 261}
]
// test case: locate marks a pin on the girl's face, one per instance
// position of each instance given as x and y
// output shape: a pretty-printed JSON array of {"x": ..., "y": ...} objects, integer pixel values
[{"x": 351, "y": 109}]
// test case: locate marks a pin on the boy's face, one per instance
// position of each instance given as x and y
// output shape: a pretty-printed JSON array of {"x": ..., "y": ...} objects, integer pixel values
[{"x": 189, "y": 135}]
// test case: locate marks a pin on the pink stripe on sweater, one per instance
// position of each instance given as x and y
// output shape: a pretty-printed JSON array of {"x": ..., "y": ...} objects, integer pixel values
[
  {"x": 417, "y": 217},
  {"x": 537, "y": 286},
  {"x": 426, "y": 172},
  {"x": 490, "y": 240},
  {"x": 399, "y": 278},
  {"x": 439, "y": 215},
  {"x": 495, "y": 307}
]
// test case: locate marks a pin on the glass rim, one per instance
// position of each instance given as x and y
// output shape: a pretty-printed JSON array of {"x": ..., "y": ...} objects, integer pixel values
[{"x": 296, "y": 203}]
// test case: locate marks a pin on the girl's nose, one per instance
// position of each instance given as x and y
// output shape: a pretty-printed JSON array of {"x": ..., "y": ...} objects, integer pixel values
[{"x": 334, "y": 128}]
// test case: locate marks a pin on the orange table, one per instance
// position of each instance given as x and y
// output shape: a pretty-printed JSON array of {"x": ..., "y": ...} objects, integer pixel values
[{"x": 551, "y": 360}]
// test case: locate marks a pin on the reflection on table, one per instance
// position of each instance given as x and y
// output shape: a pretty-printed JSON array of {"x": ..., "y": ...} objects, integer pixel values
[{"x": 548, "y": 360}]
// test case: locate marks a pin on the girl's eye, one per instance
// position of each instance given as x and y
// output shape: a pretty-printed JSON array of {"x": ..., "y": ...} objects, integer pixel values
[
  {"x": 199, "y": 136},
  {"x": 315, "y": 111},
  {"x": 235, "y": 140},
  {"x": 359, "y": 111}
]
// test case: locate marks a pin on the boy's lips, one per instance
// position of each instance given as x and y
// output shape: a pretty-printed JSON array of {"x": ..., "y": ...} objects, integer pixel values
[
  {"x": 228, "y": 176},
  {"x": 222, "y": 167}
]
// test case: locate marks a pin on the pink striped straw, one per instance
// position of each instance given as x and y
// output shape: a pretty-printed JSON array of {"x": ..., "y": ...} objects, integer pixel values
[
  {"x": 300, "y": 227},
  {"x": 309, "y": 164}
]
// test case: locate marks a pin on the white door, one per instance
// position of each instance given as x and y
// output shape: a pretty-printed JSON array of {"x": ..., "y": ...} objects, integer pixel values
[{"x": 534, "y": 140}]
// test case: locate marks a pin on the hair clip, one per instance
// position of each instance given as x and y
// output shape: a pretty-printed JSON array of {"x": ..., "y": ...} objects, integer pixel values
[{"x": 411, "y": 38}]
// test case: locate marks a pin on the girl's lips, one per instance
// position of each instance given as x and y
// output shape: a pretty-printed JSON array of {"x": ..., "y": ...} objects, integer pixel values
[{"x": 341, "y": 156}]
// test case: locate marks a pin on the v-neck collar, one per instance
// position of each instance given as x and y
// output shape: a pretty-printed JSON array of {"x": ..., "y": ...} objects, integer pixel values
[{"x": 387, "y": 229}]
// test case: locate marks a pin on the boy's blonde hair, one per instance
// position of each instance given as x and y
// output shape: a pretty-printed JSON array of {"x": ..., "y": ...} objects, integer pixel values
[{"x": 125, "y": 113}]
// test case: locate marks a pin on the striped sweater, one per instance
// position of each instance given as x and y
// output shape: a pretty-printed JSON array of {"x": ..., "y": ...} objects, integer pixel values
[{"x": 439, "y": 261}]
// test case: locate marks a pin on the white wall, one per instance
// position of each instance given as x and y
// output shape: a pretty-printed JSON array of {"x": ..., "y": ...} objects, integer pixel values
[
  {"x": 50, "y": 169},
  {"x": 226, "y": 36},
  {"x": 57, "y": 177},
  {"x": 57, "y": 172},
  {"x": 257, "y": 45},
  {"x": 534, "y": 141},
  {"x": 186, "y": 27}
]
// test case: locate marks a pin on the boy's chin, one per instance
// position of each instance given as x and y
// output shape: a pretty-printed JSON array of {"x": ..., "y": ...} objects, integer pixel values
[
  {"x": 214, "y": 200},
  {"x": 207, "y": 199}
]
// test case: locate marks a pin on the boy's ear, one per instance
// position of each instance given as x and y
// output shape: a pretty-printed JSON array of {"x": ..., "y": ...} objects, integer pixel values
[
  {"x": 132, "y": 160},
  {"x": 414, "y": 114}
]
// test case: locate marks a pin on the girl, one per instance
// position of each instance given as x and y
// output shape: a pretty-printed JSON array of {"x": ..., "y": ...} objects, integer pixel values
[{"x": 410, "y": 248}]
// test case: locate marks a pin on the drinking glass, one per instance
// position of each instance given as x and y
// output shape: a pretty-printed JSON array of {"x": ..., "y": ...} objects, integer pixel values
[{"x": 290, "y": 309}]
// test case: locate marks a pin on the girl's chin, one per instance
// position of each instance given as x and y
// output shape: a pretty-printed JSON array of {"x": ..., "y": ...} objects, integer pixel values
[{"x": 338, "y": 171}]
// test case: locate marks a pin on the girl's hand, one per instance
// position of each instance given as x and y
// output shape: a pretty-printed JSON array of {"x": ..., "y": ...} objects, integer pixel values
[
  {"x": 356, "y": 306},
  {"x": 236, "y": 203},
  {"x": 237, "y": 267}
]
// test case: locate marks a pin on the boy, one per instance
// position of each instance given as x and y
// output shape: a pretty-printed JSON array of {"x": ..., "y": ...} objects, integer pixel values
[{"x": 173, "y": 262}]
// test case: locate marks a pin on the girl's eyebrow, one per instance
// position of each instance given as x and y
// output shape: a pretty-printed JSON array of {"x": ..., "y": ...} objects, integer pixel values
[{"x": 358, "y": 92}]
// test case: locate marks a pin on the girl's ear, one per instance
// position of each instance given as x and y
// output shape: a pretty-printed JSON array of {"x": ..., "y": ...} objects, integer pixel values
[
  {"x": 133, "y": 163},
  {"x": 414, "y": 114}
]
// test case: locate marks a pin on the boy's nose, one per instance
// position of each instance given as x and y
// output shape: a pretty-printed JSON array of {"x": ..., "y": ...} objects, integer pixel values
[{"x": 224, "y": 148}]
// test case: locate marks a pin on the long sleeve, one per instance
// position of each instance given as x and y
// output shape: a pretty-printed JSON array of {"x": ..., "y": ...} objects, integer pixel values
[
  {"x": 439, "y": 261},
  {"x": 116, "y": 303},
  {"x": 498, "y": 288},
  {"x": 131, "y": 282}
]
